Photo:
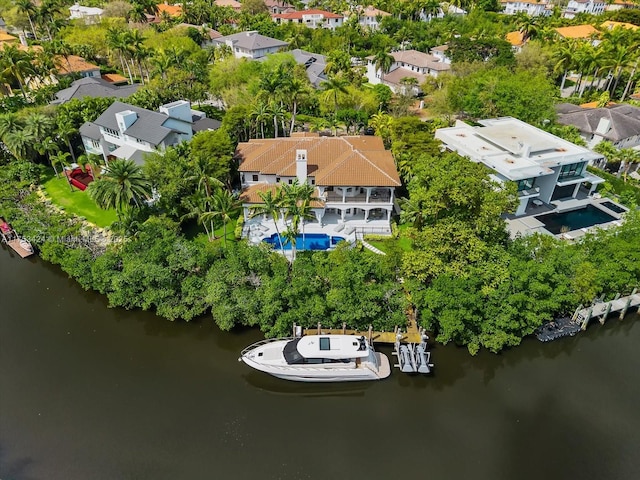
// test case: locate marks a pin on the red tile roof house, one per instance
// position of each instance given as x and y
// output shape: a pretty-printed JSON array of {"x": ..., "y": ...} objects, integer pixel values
[
  {"x": 355, "y": 180},
  {"x": 311, "y": 18}
]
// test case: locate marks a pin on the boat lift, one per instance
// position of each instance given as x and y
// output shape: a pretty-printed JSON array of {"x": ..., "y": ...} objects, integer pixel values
[{"x": 413, "y": 357}]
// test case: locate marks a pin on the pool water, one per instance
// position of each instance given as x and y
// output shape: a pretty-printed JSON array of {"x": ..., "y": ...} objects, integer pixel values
[
  {"x": 574, "y": 219},
  {"x": 309, "y": 241}
]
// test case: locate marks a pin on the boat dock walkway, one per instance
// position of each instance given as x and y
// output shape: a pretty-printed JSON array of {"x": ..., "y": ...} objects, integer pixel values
[
  {"x": 9, "y": 236},
  {"x": 411, "y": 333},
  {"x": 601, "y": 310}
]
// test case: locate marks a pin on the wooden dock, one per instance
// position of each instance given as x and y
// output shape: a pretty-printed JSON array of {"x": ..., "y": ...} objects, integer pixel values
[
  {"x": 9, "y": 236},
  {"x": 601, "y": 310},
  {"x": 409, "y": 334}
]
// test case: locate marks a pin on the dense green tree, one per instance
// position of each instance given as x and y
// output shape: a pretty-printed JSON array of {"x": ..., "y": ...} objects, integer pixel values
[{"x": 122, "y": 185}]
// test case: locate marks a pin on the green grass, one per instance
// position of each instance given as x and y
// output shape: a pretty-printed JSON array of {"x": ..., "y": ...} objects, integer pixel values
[
  {"x": 403, "y": 243},
  {"x": 76, "y": 201},
  {"x": 197, "y": 233}
]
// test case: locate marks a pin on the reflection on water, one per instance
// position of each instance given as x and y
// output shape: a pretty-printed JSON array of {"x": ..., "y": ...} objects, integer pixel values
[
  {"x": 88, "y": 392},
  {"x": 278, "y": 386}
]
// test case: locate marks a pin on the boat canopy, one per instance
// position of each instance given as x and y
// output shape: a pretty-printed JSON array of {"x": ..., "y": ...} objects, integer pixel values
[{"x": 335, "y": 347}]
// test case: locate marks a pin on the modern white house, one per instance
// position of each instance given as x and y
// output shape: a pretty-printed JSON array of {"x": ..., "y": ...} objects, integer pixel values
[
  {"x": 312, "y": 18},
  {"x": 533, "y": 8},
  {"x": 355, "y": 177},
  {"x": 250, "y": 44},
  {"x": 128, "y": 132},
  {"x": 408, "y": 64},
  {"x": 89, "y": 14},
  {"x": 574, "y": 7},
  {"x": 545, "y": 167}
]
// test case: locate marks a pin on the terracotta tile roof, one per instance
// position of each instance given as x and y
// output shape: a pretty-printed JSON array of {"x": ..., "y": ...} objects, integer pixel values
[
  {"x": 172, "y": 10},
  {"x": 515, "y": 38},
  {"x": 73, "y": 64},
  {"x": 114, "y": 78},
  {"x": 228, "y": 3},
  {"x": 297, "y": 15},
  {"x": 5, "y": 37},
  {"x": 577, "y": 31},
  {"x": 332, "y": 161},
  {"x": 609, "y": 25}
]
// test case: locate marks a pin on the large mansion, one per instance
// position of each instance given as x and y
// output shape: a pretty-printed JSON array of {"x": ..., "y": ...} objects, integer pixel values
[{"x": 355, "y": 177}]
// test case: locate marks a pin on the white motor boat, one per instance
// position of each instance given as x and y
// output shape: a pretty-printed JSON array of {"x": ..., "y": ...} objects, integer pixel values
[{"x": 318, "y": 358}]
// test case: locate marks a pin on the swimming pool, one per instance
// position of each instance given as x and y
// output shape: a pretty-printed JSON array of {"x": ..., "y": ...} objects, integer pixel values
[
  {"x": 574, "y": 219},
  {"x": 309, "y": 241}
]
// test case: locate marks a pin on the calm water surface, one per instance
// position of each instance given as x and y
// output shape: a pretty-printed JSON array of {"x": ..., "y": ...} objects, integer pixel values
[{"x": 88, "y": 392}]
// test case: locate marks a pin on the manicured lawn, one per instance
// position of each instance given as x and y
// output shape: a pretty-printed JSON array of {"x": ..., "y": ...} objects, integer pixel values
[
  {"x": 384, "y": 245},
  {"x": 76, "y": 202},
  {"x": 196, "y": 232}
]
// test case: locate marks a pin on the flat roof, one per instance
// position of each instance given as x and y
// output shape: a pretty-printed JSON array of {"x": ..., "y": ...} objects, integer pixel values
[{"x": 512, "y": 148}]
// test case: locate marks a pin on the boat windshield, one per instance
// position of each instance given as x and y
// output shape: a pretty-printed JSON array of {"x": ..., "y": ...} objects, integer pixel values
[{"x": 291, "y": 353}]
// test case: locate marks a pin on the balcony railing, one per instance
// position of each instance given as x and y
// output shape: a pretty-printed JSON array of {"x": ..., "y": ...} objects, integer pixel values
[{"x": 360, "y": 198}]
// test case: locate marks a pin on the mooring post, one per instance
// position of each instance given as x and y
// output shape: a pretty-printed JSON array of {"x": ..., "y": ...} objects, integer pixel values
[
  {"x": 319, "y": 328},
  {"x": 585, "y": 322},
  {"x": 626, "y": 305},
  {"x": 344, "y": 328},
  {"x": 606, "y": 313},
  {"x": 294, "y": 329},
  {"x": 370, "y": 332}
]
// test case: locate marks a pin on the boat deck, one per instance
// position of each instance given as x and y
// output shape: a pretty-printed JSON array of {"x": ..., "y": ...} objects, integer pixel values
[{"x": 384, "y": 369}]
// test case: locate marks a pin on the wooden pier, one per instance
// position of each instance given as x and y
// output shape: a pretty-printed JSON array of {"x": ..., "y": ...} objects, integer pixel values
[
  {"x": 9, "y": 236},
  {"x": 409, "y": 334},
  {"x": 601, "y": 310}
]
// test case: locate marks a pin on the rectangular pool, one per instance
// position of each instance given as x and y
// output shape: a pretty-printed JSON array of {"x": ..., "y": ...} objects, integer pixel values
[
  {"x": 574, "y": 219},
  {"x": 309, "y": 241}
]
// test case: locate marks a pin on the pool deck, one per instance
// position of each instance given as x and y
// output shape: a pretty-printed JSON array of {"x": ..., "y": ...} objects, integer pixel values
[{"x": 528, "y": 224}]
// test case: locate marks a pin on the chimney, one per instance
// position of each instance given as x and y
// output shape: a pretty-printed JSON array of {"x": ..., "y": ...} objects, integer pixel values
[
  {"x": 525, "y": 150},
  {"x": 125, "y": 119},
  {"x": 301, "y": 166}
]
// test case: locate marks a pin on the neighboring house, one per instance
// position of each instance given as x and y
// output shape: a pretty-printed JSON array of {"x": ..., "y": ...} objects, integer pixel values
[
  {"x": 74, "y": 64},
  {"x": 128, "y": 132},
  {"x": 440, "y": 52},
  {"x": 232, "y": 4},
  {"x": 355, "y": 177},
  {"x": 407, "y": 64},
  {"x": 584, "y": 32},
  {"x": 620, "y": 5},
  {"x": 610, "y": 25},
  {"x": 278, "y": 6},
  {"x": 311, "y": 18},
  {"x": 443, "y": 9},
  {"x": 250, "y": 44},
  {"x": 6, "y": 38},
  {"x": 544, "y": 167},
  {"x": 314, "y": 63},
  {"x": 89, "y": 14},
  {"x": 208, "y": 34},
  {"x": 617, "y": 123},
  {"x": 368, "y": 17},
  {"x": 516, "y": 39},
  {"x": 533, "y": 8},
  {"x": 93, "y": 87},
  {"x": 574, "y": 7}
]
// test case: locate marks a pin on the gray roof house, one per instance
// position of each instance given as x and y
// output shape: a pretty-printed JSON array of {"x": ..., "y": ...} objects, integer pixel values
[
  {"x": 128, "y": 132},
  {"x": 93, "y": 87},
  {"x": 250, "y": 44},
  {"x": 619, "y": 124},
  {"x": 314, "y": 63}
]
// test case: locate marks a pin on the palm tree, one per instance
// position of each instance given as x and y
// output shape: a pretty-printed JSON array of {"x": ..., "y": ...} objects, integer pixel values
[
  {"x": 20, "y": 143},
  {"x": 261, "y": 114},
  {"x": 297, "y": 199},
  {"x": 332, "y": 87},
  {"x": 29, "y": 9},
  {"x": 122, "y": 183},
  {"x": 60, "y": 159},
  {"x": 65, "y": 131},
  {"x": 225, "y": 206},
  {"x": 197, "y": 206},
  {"x": 202, "y": 173},
  {"x": 9, "y": 122},
  {"x": 383, "y": 61},
  {"x": 294, "y": 89},
  {"x": 47, "y": 146},
  {"x": 16, "y": 64},
  {"x": 272, "y": 206},
  {"x": 563, "y": 56},
  {"x": 277, "y": 111},
  {"x": 39, "y": 125}
]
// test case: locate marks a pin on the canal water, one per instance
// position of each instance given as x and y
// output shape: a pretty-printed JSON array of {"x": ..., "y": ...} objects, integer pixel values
[{"x": 88, "y": 392}]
